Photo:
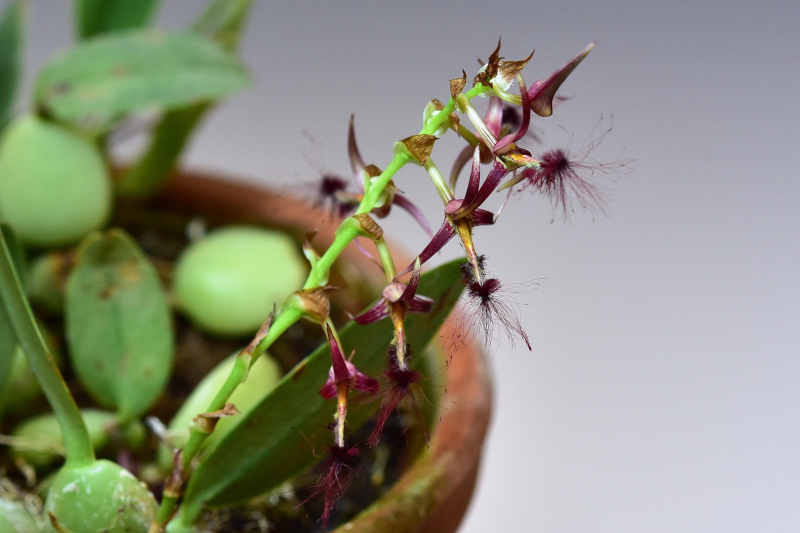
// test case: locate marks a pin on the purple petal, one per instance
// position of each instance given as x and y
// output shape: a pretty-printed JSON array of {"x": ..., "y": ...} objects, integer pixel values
[
  {"x": 340, "y": 370},
  {"x": 542, "y": 92},
  {"x": 442, "y": 237},
  {"x": 356, "y": 163},
  {"x": 379, "y": 311},
  {"x": 413, "y": 283},
  {"x": 364, "y": 383},
  {"x": 526, "y": 119},
  {"x": 481, "y": 217},
  {"x": 420, "y": 304},
  {"x": 494, "y": 115},
  {"x": 328, "y": 390},
  {"x": 413, "y": 210},
  {"x": 461, "y": 160},
  {"x": 474, "y": 176},
  {"x": 496, "y": 175}
]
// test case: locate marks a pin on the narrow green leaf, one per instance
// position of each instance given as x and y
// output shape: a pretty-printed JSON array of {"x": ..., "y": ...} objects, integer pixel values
[
  {"x": 12, "y": 25},
  {"x": 8, "y": 339},
  {"x": 222, "y": 22},
  {"x": 107, "y": 16},
  {"x": 118, "y": 323},
  {"x": 97, "y": 82},
  {"x": 276, "y": 441}
]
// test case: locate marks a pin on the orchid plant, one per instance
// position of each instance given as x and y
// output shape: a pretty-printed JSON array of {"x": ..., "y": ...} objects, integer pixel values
[{"x": 246, "y": 428}]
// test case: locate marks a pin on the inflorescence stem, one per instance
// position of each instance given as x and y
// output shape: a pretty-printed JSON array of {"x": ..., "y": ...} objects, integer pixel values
[{"x": 289, "y": 313}]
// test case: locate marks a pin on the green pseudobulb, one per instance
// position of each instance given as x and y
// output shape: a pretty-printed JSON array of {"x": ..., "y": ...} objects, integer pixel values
[
  {"x": 38, "y": 440},
  {"x": 54, "y": 186},
  {"x": 101, "y": 496},
  {"x": 228, "y": 282},
  {"x": 15, "y": 517}
]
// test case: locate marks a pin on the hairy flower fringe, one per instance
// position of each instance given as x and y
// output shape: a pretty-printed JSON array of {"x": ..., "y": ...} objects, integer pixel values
[
  {"x": 487, "y": 306},
  {"x": 337, "y": 472},
  {"x": 564, "y": 175},
  {"x": 403, "y": 384}
]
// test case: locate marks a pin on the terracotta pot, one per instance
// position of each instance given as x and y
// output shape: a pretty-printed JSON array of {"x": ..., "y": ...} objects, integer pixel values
[{"x": 434, "y": 493}]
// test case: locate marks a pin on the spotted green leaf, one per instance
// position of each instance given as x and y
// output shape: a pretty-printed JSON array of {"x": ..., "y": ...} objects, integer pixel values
[
  {"x": 101, "y": 80},
  {"x": 277, "y": 439},
  {"x": 118, "y": 324}
]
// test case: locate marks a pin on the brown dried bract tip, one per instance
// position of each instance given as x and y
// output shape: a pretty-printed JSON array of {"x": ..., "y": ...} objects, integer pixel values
[
  {"x": 457, "y": 85},
  {"x": 490, "y": 71},
  {"x": 315, "y": 302},
  {"x": 373, "y": 171},
  {"x": 260, "y": 334},
  {"x": 508, "y": 70},
  {"x": 208, "y": 421},
  {"x": 369, "y": 226},
  {"x": 420, "y": 146},
  {"x": 174, "y": 485}
]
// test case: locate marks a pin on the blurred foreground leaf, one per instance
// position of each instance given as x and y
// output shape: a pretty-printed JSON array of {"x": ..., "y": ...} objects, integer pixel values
[
  {"x": 107, "y": 16},
  {"x": 118, "y": 323},
  {"x": 222, "y": 23},
  {"x": 99, "y": 81},
  {"x": 12, "y": 26}
]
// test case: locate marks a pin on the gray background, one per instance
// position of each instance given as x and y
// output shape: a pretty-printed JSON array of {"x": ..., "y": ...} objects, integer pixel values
[{"x": 662, "y": 390}]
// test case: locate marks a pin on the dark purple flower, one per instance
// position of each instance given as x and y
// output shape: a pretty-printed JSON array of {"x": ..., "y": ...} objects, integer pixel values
[
  {"x": 344, "y": 375},
  {"x": 396, "y": 292}
]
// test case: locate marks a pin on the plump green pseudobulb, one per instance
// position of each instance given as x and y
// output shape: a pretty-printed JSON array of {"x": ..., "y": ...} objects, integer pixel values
[
  {"x": 16, "y": 518},
  {"x": 102, "y": 496},
  {"x": 54, "y": 186},
  {"x": 38, "y": 440},
  {"x": 228, "y": 282}
]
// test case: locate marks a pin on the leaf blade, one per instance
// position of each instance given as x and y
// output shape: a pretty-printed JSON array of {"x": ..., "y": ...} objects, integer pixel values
[
  {"x": 118, "y": 323},
  {"x": 11, "y": 42},
  {"x": 93, "y": 17},
  {"x": 267, "y": 447},
  {"x": 99, "y": 81}
]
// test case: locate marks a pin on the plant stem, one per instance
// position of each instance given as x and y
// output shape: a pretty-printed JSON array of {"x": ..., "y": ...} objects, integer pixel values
[
  {"x": 288, "y": 315},
  {"x": 79, "y": 451}
]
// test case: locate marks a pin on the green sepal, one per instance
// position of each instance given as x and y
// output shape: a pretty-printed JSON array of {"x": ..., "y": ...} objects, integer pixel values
[
  {"x": 99, "y": 81},
  {"x": 12, "y": 29},
  {"x": 118, "y": 322},
  {"x": 93, "y": 17},
  {"x": 277, "y": 440}
]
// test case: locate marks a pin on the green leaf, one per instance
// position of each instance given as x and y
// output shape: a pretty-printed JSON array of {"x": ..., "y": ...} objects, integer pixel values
[
  {"x": 277, "y": 439},
  {"x": 12, "y": 26},
  {"x": 98, "y": 82},
  {"x": 118, "y": 323},
  {"x": 222, "y": 23},
  {"x": 108, "y": 16},
  {"x": 8, "y": 339}
]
